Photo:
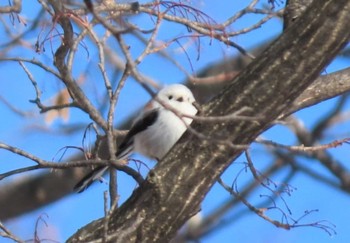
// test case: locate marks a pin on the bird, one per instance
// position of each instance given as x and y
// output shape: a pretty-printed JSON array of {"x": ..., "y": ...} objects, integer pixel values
[{"x": 155, "y": 130}]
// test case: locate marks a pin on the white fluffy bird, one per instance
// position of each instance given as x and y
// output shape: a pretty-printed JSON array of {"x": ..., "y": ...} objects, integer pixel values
[{"x": 155, "y": 131}]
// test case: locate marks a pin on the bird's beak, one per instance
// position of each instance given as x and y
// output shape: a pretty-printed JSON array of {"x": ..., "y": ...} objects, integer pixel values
[{"x": 197, "y": 106}]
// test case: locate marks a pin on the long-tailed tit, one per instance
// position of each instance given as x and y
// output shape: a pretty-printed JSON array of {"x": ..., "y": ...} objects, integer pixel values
[{"x": 155, "y": 131}]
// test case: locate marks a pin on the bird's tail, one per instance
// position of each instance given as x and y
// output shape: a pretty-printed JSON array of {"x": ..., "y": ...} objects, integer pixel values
[{"x": 95, "y": 174}]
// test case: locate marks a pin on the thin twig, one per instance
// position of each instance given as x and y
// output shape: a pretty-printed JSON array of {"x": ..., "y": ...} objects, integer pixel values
[{"x": 302, "y": 148}]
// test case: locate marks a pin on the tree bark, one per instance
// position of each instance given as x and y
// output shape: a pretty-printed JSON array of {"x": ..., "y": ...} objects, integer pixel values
[
  {"x": 294, "y": 9},
  {"x": 174, "y": 190}
]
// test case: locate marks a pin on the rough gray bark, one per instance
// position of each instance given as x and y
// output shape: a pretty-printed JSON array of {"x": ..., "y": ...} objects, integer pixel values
[
  {"x": 174, "y": 189},
  {"x": 294, "y": 9}
]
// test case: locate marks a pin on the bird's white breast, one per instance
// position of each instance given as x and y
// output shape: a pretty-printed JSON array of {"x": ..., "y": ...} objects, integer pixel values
[{"x": 159, "y": 138}]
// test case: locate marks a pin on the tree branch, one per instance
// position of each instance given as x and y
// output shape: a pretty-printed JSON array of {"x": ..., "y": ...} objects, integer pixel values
[
  {"x": 323, "y": 88},
  {"x": 60, "y": 56}
]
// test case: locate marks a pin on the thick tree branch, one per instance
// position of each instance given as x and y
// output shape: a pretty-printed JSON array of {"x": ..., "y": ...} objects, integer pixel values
[
  {"x": 174, "y": 189},
  {"x": 323, "y": 88}
]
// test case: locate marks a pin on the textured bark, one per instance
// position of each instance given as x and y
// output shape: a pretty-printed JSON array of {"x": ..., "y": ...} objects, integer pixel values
[
  {"x": 174, "y": 190},
  {"x": 294, "y": 9},
  {"x": 323, "y": 88}
]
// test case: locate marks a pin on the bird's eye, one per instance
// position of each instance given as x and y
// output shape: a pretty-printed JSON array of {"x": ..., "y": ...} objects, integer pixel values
[
  {"x": 180, "y": 99},
  {"x": 170, "y": 97}
]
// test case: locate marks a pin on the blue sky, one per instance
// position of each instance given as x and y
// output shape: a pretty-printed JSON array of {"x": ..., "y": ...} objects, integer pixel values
[{"x": 69, "y": 214}]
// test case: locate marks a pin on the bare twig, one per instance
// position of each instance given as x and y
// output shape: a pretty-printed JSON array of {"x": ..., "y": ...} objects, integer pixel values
[
  {"x": 4, "y": 232},
  {"x": 44, "y": 164},
  {"x": 302, "y": 148},
  {"x": 324, "y": 225}
]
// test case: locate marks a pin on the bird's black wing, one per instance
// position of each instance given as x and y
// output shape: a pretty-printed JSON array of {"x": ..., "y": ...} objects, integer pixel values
[
  {"x": 123, "y": 150},
  {"x": 140, "y": 125}
]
